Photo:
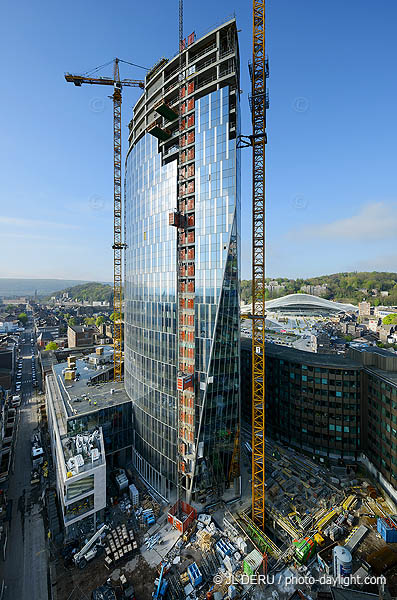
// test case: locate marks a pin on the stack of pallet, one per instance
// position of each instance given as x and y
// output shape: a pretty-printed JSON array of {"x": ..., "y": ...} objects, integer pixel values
[
  {"x": 120, "y": 543},
  {"x": 184, "y": 577},
  {"x": 205, "y": 540}
]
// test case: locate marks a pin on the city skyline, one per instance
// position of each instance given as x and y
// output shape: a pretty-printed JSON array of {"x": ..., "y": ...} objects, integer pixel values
[{"x": 59, "y": 222}]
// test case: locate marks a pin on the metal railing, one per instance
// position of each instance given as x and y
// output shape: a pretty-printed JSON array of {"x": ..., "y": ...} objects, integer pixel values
[
  {"x": 202, "y": 52},
  {"x": 205, "y": 82},
  {"x": 206, "y": 64},
  {"x": 227, "y": 52},
  {"x": 227, "y": 72},
  {"x": 169, "y": 87}
]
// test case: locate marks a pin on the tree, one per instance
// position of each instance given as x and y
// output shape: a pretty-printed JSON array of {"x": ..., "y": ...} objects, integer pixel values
[
  {"x": 89, "y": 321},
  {"x": 113, "y": 316},
  {"x": 87, "y": 291},
  {"x": 100, "y": 321},
  {"x": 390, "y": 320},
  {"x": 9, "y": 308},
  {"x": 51, "y": 346},
  {"x": 23, "y": 317},
  {"x": 72, "y": 322},
  {"x": 348, "y": 338}
]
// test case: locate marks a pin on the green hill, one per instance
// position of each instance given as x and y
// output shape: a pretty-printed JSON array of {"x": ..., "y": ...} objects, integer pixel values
[
  {"x": 343, "y": 287},
  {"x": 91, "y": 292}
]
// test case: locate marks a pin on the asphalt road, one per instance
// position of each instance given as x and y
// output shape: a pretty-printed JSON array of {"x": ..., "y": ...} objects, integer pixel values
[{"x": 25, "y": 567}]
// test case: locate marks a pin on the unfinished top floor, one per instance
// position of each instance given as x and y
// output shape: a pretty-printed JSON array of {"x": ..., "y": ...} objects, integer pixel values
[{"x": 205, "y": 64}]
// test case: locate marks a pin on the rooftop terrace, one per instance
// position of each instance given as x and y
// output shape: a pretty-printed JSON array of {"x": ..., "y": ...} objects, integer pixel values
[
  {"x": 301, "y": 356},
  {"x": 80, "y": 396}
]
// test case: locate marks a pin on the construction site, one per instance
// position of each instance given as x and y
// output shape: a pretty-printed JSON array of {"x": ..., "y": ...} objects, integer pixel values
[{"x": 144, "y": 549}]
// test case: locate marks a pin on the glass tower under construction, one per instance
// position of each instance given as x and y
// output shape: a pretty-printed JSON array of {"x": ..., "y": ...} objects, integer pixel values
[{"x": 182, "y": 208}]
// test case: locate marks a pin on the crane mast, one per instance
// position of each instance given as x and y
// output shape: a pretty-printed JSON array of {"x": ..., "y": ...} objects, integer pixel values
[
  {"x": 259, "y": 73},
  {"x": 118, "y": 244}
]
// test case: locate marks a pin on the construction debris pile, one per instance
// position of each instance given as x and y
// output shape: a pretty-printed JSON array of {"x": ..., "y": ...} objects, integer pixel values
[
  {"x": 203, "y": 552},
  {"x": 148, "y": 512},
  {"x": 297, "y": 489}
]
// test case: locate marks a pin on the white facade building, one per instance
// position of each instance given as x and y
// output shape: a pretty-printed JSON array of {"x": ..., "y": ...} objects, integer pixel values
[{"x": 80, "y": 466}]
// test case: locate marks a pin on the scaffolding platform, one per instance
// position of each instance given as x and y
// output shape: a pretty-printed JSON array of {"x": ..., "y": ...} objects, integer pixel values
[
  {"x": 182, "y": 515},
  {"x": 159, "y": 133},
  {"x": 166, "y": 111}
]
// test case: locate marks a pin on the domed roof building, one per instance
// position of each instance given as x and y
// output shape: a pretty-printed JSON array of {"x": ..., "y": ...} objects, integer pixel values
[{"x": 306, "y": 304}]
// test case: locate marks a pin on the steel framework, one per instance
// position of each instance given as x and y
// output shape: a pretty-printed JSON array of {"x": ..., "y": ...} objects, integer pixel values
[
  {"x": 118, "y": 244},
  {"x": 258, "y": 141}
]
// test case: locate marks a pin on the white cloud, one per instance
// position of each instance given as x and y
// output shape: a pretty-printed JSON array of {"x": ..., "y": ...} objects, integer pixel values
[
  {"x": 17, "y": 222},
  {"x": 27, "y": 236},
  {"x": 386, "y": 262},
  {"x": 374, "y": 222}
]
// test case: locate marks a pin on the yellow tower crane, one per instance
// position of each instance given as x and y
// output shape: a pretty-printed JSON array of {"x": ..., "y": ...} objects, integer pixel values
[
  {"x": 259, "y": 72},
  {"x": 118, "y": 244}
]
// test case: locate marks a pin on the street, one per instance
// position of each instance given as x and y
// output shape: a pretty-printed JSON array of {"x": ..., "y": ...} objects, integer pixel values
[{"x": 25, "y": 567}]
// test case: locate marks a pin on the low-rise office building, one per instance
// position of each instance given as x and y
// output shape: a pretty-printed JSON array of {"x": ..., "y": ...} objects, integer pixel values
[
  {"x": 52, "y": 330},
  {"x": 81, "y": 335},
  {"x": 86, "y": 402},
  {"x": 384, "y": 311},
  {"x": 379, "y": 409},
  {"x": 80, "y": 400},
  {"x": 80, "y": 467},
  {"x": 8, "y": 358},
  {"x": 313, "y": 401},
  {"x": 335, "y": 407}
]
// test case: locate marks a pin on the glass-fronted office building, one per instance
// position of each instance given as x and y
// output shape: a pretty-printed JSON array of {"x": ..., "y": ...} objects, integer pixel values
[{"x": 183, "y": 317}]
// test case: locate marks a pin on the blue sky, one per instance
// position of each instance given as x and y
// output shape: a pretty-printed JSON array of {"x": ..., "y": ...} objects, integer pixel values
[{"x": 331, "y": 154}]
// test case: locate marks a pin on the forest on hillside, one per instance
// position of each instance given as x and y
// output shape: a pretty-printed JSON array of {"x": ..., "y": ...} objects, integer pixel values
[
  {"x": 87, "y": 291},
  {"x": 342, "y": 287}
]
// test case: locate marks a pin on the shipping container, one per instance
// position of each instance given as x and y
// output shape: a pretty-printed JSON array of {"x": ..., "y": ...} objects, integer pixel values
[{"x": 387, "y": 527}]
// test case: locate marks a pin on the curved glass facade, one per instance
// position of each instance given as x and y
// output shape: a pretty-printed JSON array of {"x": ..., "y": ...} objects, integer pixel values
[
  {"x": 151, "y": 301},
  {"x": 150, "y": 305},
  {"x": 217, "y": 288}
]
